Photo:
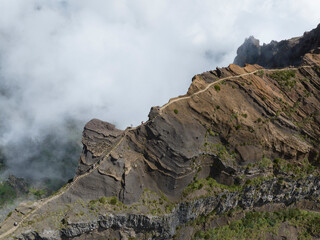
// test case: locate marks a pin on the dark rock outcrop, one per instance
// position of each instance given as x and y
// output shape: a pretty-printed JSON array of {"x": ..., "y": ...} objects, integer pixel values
[
  {"x": 278, "y": 54},
  {"x": 20, "y": 185},
  {"x": 163, "y": 227}
]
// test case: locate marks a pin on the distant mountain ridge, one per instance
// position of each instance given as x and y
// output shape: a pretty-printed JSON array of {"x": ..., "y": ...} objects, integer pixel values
[{"x": 278, "y": 54}]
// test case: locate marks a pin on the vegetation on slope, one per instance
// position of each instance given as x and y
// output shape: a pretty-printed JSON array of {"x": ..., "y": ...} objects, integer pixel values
[
  {"x": 285, "y": 78},
  {"x": 7, "y": 194},
  {"x": 257, "y": 225}
]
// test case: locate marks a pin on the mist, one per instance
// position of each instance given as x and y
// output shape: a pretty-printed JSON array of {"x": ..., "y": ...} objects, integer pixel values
[{"x": 63, "y": 63}]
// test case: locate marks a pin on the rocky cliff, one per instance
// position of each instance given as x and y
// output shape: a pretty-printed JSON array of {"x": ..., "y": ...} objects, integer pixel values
[
  {"x": 278, "y": 54},
  {"x": 240, "y": 138}
]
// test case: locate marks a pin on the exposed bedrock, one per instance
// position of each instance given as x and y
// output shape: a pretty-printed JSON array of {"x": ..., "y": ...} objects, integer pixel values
[
  {"x": 278, "y": 54},
  {"x": 213, "y": 133},
  {"x": 272, "y": 191}
]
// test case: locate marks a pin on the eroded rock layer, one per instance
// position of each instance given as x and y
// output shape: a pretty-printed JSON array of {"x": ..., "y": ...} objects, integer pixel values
[{"x": 226, "y": 120}]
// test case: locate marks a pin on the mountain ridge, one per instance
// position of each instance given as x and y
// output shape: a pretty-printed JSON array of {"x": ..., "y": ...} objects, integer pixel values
[
  {"x": 278, "y": 54},
  {"x": 236, "y": 128}
]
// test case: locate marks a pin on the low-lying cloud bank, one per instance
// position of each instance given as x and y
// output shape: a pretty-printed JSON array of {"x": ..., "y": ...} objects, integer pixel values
[{"x": 65, "y": 62}]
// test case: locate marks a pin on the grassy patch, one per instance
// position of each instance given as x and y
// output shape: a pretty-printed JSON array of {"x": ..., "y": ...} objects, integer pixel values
[
  {"x": 257, "y": 180},
  {"x": 263, "y": 164},
  {"x": 38, "y": 193},
  {"x": 285, "y": 78},
  {"x": 7, "y": 194},
  {"x": 217, "y": 88},
  {"x": 260, "y": 73},
  {"x": 210, "y": 184},
  {"x": 299, "y": 169},
  {"x": 155, "y": 203},
  {"x": 211, "y": 133},
  {"x": 259, "y": 120},
  {"x": 220, "y": 150},
  {"x": 9, "y": 215},
  {"x": 254, "y": 225},
  {"x": 113, "y": 201}
]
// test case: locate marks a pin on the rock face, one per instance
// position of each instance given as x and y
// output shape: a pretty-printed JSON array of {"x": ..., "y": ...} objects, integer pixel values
[
  {"x": 240, "y": 137},
  {"x": 18, "y": 184},
  {"x": 278, "y": 54},
  {"x": 238, "y": 120},
  {"x": 164, "y": 227}
]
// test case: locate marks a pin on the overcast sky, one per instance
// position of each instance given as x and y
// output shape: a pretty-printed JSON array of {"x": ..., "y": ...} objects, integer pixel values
[{"x": 113, "y": 60}]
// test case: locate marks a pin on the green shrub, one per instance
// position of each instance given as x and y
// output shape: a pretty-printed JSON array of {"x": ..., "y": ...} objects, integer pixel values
[
  {"x": 7, "y": 194},
  {"x": 299, "y": 170},
  {"x": 259, "y": 73},
  {"x": 254, "y": 225},
  {"x": 238, "y": 127},
  {"x": 314, "y": 226},
  {"x": 38, "y": 193},
  {"x": 169, "y": 208},
  {"x": 217, "y": 88},
  {"x": 113, "y": 200},
  {"x": 175, "y": 111},
  {"x": 93, "y": 204},
  {"x": 9, "y": 215},
  {"x": 265, "y": 163},
  {"x": 257, "y": 180},
  {"x": 210, "y": 182},
  {"x": 103, "y": 200},
  {"x": 212, "y": 133}
]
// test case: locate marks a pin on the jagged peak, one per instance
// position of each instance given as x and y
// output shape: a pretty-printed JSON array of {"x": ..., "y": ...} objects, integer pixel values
[{"x": 278, "y": 54}]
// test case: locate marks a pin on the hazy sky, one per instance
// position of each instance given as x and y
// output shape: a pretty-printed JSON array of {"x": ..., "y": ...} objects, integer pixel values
[{"x": 113, "y": 60}]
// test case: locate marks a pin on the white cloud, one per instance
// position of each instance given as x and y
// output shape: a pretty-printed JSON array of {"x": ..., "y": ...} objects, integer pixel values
[{"x": 113, "y": 60}]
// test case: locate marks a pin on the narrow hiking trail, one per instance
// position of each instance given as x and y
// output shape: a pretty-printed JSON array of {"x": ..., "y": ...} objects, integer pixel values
[
  {"x": 222, "y": 79},
  {"x": 45, "y": 201},
  {"x": 104, "y": 155}
]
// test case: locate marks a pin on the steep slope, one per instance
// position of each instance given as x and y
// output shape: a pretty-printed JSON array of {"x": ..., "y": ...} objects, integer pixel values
[
  {"x": 241, "y": 138},
  {"x": 278, "y": 54}
]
